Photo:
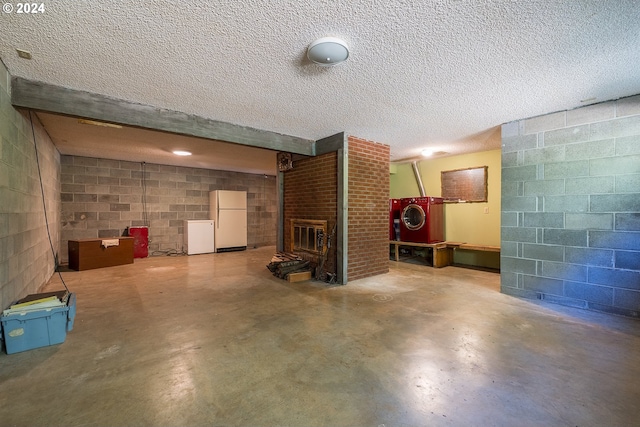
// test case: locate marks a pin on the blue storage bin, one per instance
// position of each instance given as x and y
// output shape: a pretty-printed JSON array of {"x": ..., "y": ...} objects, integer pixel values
[{"x": 38, "y": 328}]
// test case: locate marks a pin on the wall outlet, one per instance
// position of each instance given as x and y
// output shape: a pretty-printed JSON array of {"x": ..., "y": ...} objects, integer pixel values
[{"x": 486, "y": 210}]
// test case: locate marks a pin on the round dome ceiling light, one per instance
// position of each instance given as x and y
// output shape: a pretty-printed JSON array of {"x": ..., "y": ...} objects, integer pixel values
[{"x": 328, "y": 51}]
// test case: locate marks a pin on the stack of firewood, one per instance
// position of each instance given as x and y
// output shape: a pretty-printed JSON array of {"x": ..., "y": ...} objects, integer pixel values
[{"x": 282, "y": 264}]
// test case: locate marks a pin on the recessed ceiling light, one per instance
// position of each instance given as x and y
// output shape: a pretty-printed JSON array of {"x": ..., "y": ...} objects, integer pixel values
[
  {"x": 427, "y": 152},
  {"x": 97, "y": 123},
  {"x": 181, "y": 153}
]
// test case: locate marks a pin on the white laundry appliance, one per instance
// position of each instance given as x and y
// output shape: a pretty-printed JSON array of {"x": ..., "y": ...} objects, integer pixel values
[
  {"x": 199, "y": 237},
  {"x": 228, "y": 209}
]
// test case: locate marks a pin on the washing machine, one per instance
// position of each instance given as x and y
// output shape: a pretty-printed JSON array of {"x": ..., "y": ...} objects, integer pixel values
[{"x": 422, "y": 219}]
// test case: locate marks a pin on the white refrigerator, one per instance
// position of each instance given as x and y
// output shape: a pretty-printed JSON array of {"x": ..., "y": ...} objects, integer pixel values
[{"x": 228, "y": 210}]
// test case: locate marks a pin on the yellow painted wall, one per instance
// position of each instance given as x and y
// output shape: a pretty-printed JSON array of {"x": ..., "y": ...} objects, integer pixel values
[{"x": 464, "y": 222}]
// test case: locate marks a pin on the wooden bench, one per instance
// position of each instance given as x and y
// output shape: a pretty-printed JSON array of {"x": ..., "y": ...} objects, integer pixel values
[
  {"x": 485, "y": 248},
  {"x": 478, "y": 256},
  {"x": 442, "y": 252}
]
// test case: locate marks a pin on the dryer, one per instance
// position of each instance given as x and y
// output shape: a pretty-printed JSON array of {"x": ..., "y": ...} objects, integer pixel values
[
  {"x": 422, "y": 219},
  {"x": 394, "y": 219}
]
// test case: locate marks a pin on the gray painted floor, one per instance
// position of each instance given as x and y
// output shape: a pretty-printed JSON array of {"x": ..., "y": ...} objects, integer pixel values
[{"x": 216, "y": 340}]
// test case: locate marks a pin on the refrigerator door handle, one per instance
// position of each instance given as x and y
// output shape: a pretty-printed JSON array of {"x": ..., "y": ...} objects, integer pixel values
[{"x": 217, "y": 224}]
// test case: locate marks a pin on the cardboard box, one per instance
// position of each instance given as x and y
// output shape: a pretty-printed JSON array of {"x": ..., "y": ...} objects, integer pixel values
[{"x": 38, "y": 328}]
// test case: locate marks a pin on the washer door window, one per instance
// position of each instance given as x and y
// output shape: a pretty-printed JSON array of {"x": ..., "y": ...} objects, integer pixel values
[{"x": 413, "y": 217}]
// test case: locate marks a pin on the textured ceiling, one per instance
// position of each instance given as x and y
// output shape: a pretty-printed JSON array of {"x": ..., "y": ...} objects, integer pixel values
[{"x": 421, "y": 74}]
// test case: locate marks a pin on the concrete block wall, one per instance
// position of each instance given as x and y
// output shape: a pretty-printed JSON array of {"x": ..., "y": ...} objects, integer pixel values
[
  {"x": 368, "y": 201},
  {"x": 102, "y": 197},
  {"x": 26, "y": 260},
  {"x": 571, "y": 207},
  {"x": 311, "y": 192}
]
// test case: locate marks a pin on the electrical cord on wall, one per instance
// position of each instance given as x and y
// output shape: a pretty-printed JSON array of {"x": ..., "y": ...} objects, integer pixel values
[
  {"x": 145, "y": 214},
  {"x": 44, "y": 204}
]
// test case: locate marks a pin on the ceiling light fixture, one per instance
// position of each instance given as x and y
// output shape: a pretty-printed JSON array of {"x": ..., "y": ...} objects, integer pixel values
[
  {"x": 181, "y": 153},
  {"x": 328, "y": 51},
  {"x": 427, "y": 152},
  {"x": 96, "y": 123}
]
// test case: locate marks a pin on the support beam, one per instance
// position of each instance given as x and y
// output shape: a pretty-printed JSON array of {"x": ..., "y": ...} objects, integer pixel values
[
  {"x": 342, "y": 247},
  {"x": 329, "y": 144},
  {"x": 280, "y": 225},
  {"x": 339, "y": 144},
  {"x": 56, "y": 99}
]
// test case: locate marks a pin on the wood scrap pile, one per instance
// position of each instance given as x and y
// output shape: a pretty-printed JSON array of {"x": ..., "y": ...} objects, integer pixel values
[{"x": 283, "y": 264}]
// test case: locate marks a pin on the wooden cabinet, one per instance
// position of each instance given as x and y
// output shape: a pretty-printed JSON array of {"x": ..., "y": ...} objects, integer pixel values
[{"x": 87, "y": 254}]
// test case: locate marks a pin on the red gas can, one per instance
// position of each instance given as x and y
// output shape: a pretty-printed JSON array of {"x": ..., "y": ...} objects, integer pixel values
[{"x": 140, "y": 241}]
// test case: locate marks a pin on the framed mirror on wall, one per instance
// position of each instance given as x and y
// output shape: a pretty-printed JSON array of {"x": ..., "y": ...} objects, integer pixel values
[{"x": 464, "y": 185}]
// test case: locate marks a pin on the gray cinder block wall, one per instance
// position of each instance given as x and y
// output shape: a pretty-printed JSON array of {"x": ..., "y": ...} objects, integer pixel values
[
  {"x": 101, "y": 198},
  {"x": 26, "y": 260},
  {"x": 571, "y": 207}
]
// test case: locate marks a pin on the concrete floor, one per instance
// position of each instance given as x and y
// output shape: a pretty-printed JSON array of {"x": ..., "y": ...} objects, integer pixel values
[{"x": 216, "y": 340}]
